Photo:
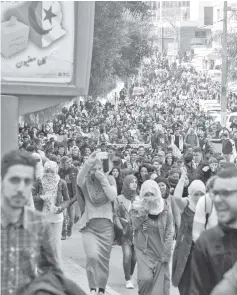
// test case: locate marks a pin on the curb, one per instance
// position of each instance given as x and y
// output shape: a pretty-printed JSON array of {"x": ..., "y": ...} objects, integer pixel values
[{"x": 78, "y": 275}]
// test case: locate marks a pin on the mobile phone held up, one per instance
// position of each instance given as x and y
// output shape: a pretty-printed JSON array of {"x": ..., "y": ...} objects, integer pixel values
[{"x": 102, "y": 155}]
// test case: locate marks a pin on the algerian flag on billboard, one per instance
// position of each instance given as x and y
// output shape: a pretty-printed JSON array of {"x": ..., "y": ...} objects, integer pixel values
[{"x": 44, "y": 19}]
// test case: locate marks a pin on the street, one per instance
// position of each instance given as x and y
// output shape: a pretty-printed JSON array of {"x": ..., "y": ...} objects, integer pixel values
[{"x": 73, "y": 253}]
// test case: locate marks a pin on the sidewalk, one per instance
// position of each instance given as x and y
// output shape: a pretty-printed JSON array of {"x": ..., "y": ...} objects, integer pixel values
[
  {"x": 78, "y": 274},
  {"x": 74, "y": 263}
]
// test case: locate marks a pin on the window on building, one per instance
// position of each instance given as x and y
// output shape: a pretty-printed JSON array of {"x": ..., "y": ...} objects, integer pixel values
[
  {"x": 208, "y": 16},
  {"x": 200, "y": 34}
]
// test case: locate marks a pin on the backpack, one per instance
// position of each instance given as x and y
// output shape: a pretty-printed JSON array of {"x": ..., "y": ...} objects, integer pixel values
[{"x": 208, "y": 210}]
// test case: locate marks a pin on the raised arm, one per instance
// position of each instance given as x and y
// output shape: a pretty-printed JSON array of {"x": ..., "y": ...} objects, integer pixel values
[
  {"x": 178, "y": 193},
  {"x": 175, "y": 212},
  {"x": 85, "y": 169},
  {"x": 169, "y": 234},
  {"x": 108, "y": 185}
]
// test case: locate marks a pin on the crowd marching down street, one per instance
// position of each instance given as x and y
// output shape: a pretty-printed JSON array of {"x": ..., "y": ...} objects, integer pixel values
[{"x": 140, "y": 172}]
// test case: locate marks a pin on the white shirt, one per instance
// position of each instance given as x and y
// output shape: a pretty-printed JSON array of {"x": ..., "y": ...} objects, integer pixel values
[{"x": 200, "y": 213}]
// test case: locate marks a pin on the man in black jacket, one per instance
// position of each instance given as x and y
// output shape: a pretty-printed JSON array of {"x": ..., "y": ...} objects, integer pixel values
[{"x": 215, "y": 251}]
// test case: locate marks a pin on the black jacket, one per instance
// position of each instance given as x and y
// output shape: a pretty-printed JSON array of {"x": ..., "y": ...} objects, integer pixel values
[
  {"x": 214, "y": 254},
  {"x": 53, "y": 283}
]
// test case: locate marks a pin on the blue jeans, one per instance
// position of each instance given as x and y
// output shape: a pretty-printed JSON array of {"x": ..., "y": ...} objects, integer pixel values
[{"x": 129, "y": 260}]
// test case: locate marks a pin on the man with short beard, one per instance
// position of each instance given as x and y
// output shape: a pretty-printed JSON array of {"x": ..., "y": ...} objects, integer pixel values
[
  {"x": 26, "y": 241},
  {"x": 215, "y": 251}
]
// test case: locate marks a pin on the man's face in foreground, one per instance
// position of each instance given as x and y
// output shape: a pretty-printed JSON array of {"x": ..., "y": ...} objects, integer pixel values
[
  {"x": 17, "y": 185},
  {"x": 225, "y": 200}
]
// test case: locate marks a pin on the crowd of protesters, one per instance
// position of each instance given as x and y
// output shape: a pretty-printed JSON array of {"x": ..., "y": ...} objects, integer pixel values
[{"x": 141, "y": 172}]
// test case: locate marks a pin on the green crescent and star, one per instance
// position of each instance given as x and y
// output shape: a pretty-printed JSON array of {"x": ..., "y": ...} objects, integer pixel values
[{"x": 49, "y": 14}]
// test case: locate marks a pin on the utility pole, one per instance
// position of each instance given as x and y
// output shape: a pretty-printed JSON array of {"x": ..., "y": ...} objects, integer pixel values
[
  {"x": 224, "y": 68},
  {"x": 161, "y": 24}
]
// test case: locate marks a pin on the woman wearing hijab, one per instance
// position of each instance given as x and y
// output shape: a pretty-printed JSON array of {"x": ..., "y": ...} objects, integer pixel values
[
  {"x": 181, "y": 269},
  {"x": 123, "y": 206},
  {"x": 51, "y": 197},
  {"x": 96, "y": 223},
  {"x": 116, "y": 173},
  {"x": 153, "y": 236}
]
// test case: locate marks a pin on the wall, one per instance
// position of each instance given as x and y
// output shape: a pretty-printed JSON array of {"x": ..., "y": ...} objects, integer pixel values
[
  {"x": 186, "y": 35},
  {"x": 197, "y": 10},
  {"x": 9, "y": 123},
  {"x": 29, "y": 105}
]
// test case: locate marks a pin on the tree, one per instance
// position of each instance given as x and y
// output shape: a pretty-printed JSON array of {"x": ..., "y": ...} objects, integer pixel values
[
  {"x": 231, "y": 45},
  {"x": 121, "y": 40}
]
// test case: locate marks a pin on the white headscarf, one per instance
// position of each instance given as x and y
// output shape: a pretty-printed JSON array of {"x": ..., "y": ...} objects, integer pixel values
[
  {"x": 152, "y": 187},
  {"x": 50, "y": 184},
  {"x": 196, "y": 186}
]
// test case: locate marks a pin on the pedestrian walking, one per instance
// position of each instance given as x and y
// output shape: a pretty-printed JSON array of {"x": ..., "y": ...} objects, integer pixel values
[
  {"x": 27, "y": 243},
  {"x": 153, "y": 224},
  {"x": 205, "y": 214},
  {"x": 51, "y": 197},
  {"x": 69, "y": 173},
  {"x": 181, "y": 267},
  {"x": 96, "y": 223},
  {"x": 215, "y": 251},
  {"x": 123, "y": 206}
]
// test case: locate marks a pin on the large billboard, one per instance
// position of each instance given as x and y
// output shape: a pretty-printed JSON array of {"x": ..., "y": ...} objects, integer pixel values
[{"x": 37, "y": 41}]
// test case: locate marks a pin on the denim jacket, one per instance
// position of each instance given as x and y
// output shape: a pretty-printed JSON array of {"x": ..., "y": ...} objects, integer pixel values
[{"x": 164, "y": 223}]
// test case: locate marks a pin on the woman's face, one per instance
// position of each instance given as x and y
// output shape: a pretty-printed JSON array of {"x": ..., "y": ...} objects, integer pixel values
[
  {"x": 169, "y": 161},
  {"x": 87, "y": 151},
  {"x": 186, "y": 182},
  {"x": 49, "y": 173},
  {"x": 143, "y": 172},
  {"x": 133, "y": 185},
  {"x": 162, "y": 187},
  {"x": 115, "y": 173},
  {"x": 95, "y": 168}
]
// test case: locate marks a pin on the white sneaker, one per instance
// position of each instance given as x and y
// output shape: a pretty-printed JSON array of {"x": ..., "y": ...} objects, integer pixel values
[
  {"x": 129, "y": 285},
  {"x": 93, "y": 292}
]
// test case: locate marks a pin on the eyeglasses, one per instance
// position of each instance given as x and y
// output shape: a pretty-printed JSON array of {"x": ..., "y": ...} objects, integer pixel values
[{"x": 224, "y": 194}]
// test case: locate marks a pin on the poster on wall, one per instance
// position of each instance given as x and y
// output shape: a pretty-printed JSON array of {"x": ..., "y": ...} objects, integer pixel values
[{"x": 37, "y": 41}]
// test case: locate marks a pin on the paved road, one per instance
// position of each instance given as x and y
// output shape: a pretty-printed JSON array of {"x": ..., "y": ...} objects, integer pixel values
[{"x": 73, "y": 250}]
